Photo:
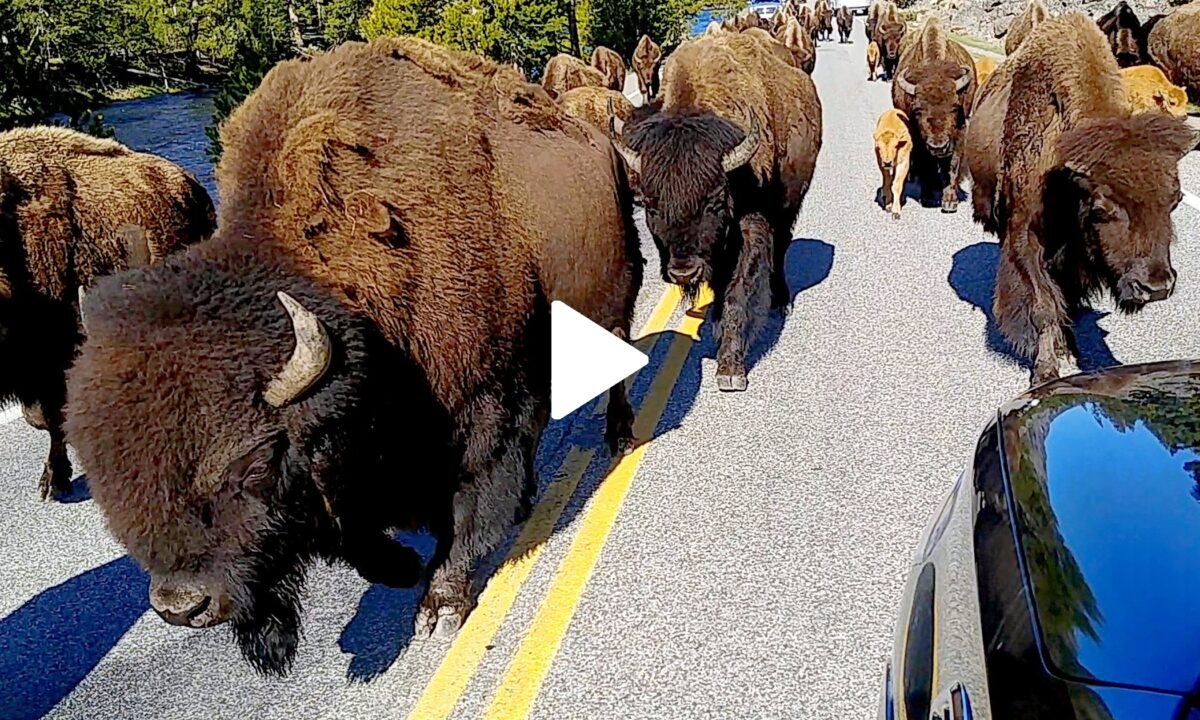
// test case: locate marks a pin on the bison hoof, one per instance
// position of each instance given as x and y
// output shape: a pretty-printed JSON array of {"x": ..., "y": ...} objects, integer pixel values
[
  {"x": 442, "y": 623},
  {"x": 949, "y": 207},
  {"x": 621, "y": 447},
  {"x": 732, "y": 383},
  {"x": 895, "y": 214},
  {"x": 52, "y": 484}
]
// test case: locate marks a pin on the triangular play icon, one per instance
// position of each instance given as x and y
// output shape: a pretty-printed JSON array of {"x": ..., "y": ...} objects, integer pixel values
[{"x": 585, "y": 360}]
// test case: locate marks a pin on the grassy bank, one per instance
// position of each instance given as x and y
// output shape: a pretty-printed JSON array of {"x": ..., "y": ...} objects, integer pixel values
[{"x": 976, "y": 43}]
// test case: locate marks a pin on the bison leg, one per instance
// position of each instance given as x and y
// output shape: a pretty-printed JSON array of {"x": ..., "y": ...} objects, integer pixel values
[
  {"x": 781, "y": 294},
  {"x": 380, "y": 559},
  {"x": 618, "y": 431},
  {"x": 56, "y": 473},
  {"x": 1029, "y": 306},
  {"x": 950, "y": 192},
  {"x": 498, "y": 466},
  {"x": 744, "y": 303}
]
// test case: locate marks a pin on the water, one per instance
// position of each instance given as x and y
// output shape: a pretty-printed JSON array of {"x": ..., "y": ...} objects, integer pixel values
[{"x": 171, "y": 126}]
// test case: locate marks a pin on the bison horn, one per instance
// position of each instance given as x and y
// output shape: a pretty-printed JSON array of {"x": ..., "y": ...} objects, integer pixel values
[
  {"x": 905, "y": 85},
  {"x": 963, "y": 81},
  {"x": 82, "y": 317},
  {"x": 616, "y": 127},
  {"x": 745, "y": 150},
  {"x": 309, "y": 360}
]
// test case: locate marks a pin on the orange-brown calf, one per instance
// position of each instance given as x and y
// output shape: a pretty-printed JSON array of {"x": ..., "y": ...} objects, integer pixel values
[
  {"x": 1149, "y": 89},
  {"x": 893, "y": 147}
]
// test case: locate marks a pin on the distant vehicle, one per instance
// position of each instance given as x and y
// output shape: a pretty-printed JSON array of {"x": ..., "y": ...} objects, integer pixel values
[
  {"x": 1060, "y": 577},
  {"x": 858, "y": 7},
  {"x": 765, "y": 10}
]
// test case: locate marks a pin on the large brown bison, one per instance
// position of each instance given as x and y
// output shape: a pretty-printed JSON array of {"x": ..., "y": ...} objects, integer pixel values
[
  {"x": 591, "y": 105},
  {"x": 724, "y": 161},
  {"x": 611, "y": 66},
  {"x": 823, "y": 12},
  {"x": 874, "y": 13},
  {"x": 1031, "y": 16},
  {"x": 1124, "y": 32},
  {"x": 1173, "y": 44},
  {"x": 845, "y": 23},
  {"x": 395, "y": 220},
  {"x": 797, "y": 40},
  {"x": 934, "y": 85},
  {"x": 72, "y": 209},
  {"x": 646, "y": 58},
  {"x": 567, "y": 72},
  {"x": 889, "y": 35},
  {"x": 1079, "y": 190}
]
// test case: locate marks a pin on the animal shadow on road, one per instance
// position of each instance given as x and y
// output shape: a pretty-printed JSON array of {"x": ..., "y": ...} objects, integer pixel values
[
  {"x": 912, "y": 191},
  {"x": 49, "y": 644},
  {"x": 973, "y": 277},
  {"x": 382, "y": 628}
]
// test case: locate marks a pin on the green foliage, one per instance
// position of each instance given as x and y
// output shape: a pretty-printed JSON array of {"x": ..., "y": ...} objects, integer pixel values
[
  {"x": 341, "y": 20},
  {"x": 618, "y": 24}
]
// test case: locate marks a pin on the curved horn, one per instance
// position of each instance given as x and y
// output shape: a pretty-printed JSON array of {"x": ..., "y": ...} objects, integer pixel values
[
  {"x": 309, "y": 360},
  {"x": 905, "y": 85},
  {"x": 82, "y": 317},
  {"x": 963, "y": 81},
  {"x": 616, "y": 126},
  {"x": 745, "y": 150}
]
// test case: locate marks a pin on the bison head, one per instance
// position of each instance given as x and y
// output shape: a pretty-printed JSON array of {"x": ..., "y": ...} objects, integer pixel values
[
  {"x": 937, "y": 105},
  {"x": 684, "y": 164},
  {"x": 215, "y": 410},
  {"x": 891, "y": 35},
  {"x": 1108, "y": 202}
]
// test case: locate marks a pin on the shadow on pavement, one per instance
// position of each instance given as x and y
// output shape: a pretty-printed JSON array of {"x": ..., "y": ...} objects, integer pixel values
[
  {"x": 973, "y": 277},
  {"x": 49, "y": 644},
  {"x": 80, "y": 492},
  {"x": 382, "y": 627}
]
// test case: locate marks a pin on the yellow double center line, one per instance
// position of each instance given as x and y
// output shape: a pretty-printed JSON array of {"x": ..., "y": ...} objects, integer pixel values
[{"x": 528, "y": 667}]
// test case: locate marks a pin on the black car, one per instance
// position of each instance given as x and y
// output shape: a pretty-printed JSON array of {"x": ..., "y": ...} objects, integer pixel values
[{"x": 1061, "y": 577}]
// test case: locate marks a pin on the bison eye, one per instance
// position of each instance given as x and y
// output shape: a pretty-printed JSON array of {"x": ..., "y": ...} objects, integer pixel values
[{"x": 255, "y": 466}]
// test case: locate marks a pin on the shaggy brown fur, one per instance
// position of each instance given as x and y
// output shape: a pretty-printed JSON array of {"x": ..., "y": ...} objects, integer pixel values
[
  {"x": 874, "y": 13},
  {"x": 1079, "y": 191},
  {"x": 889, "y": 34},
  {"x": 845, "y": 23},
  {"x": 799, "y": 43},
  {"x": 725, "y": 160},
  {"x": 611, "y": 66},
  {"x": 590, "y": 104},
  {"x": 646, "y": 59},
  {"x": 1030, "y": 17},
  {"x": 567, "y": 72},
  {"x": 823, "y": 13},
  {"x": 1124, "y": 32},
  {"x": 808, "y": 20},
  {"x": 934, "y": 86},
  {"x": 72, "y": 209},
  {"x": 425, "y": 207},
  {"x": 748, "y": 19},
  {"x": 1149, "y": 90},
  {"x": 872, "y": 60},
  {"x": 1174, "y": 45}
]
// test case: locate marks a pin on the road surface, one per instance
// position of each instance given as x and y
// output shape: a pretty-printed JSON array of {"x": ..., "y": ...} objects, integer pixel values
[{"x": 745, "y": 562}]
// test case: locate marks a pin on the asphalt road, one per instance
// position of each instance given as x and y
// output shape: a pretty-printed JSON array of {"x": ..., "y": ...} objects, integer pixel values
[{"x": 746, "y": 562}]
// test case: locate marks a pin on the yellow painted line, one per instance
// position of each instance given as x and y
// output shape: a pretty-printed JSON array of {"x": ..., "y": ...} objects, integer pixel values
[
  {"x": 527, "y": 670},
  {"x": 454, "y": 673}
]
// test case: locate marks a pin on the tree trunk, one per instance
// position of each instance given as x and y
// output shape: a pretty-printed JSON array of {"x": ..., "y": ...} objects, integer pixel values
[
  {"x": 192, "y": 59},
  {"x": 573, "y": 29},
  {"x": 294, "y": 21}
]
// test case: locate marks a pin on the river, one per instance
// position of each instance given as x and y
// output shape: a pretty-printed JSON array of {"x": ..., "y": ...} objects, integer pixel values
[{"x": 171, "y": 126}]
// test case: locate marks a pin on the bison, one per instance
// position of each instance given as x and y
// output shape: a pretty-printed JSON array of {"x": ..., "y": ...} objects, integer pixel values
[
  {"x": 1031, "y": 16},
  {"x": 72, "y": 209},
  {"x": 1078, "y": 190},
  {"x": 808, "y": 20},
  {"x": 984, "y": 67},
  {"x": 590, "y": 104},
  {"x": 611, "y": 66},
  {"x": 893, "y": 148},
  {"x": 646, "y": 58},
  {"x": 889, "y": 35},
  {"x": 1124, "y": 32},
  {"x": 724, "y": 161},
  {"x": 1149, "y": 90},
  {"x": 874, "y": 13},
  {"x": 1173, "y": 43},
  {"x": 567, "y": 72},
  {"x": 823, "y": 14},
  {"x": 934, "y": 85},
  {"x": 872, "y": 60},
  {"x": 395, "y": 220},
  {"x": 845, "y": 23},
  {"x": 797, "y": 40}
]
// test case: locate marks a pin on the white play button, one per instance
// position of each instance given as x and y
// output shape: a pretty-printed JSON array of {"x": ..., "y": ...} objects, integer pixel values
[{"x": 585, "y": 360}]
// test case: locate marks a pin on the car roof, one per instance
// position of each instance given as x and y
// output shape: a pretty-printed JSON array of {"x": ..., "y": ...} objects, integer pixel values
[{"x": 1103, "y": 476}]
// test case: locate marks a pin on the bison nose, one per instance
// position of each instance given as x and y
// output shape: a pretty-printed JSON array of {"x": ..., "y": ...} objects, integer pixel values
[
  {"x": 185, "y": 606},
  {"x": 686, "y": 272},
  {"x": 939, "y": 149},
  {"x": 1139, "y": 291}
]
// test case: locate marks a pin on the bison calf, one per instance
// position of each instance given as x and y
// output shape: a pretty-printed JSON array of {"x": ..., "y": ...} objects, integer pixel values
[
  {"x": 893, "y": 147},
  {"x": 1079, "y": 190},
  {"x": 872, "y": 60},
  {"x": 72, "y": 209},
  {"x": 723, "y": 164},
  {"x": 1149, "y": 90}
]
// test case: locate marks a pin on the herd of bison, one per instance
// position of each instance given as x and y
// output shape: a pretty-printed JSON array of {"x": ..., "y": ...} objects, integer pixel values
[{"x": 395, "y": 219}]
